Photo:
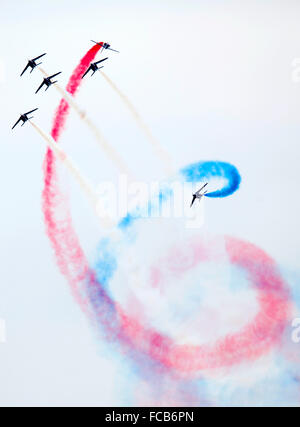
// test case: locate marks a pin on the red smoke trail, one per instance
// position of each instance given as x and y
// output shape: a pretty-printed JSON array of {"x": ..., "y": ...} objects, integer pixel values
[
  {"x": 253, "y": 340},
  {"x": 59, "y": 228},
  {"x": 72, "y": 87}
]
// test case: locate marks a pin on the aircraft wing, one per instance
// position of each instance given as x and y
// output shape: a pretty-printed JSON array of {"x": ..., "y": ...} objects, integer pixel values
[
  {"x": 194, "y": 198},
  {"x": 86, "y": 72},
  {"x": 24, "y": 69},
  {"x": 100, "y": 44},
  {"x": 101, "y": 60},
  {"x": 199, "y": 191},
  {"x": 16, "y": 123},
  {"x": 29, "y": 112},
  {"x": 42, "y": 84},
  {"x": 54, "y": 75},
  {"x": 38, "y": 57}
]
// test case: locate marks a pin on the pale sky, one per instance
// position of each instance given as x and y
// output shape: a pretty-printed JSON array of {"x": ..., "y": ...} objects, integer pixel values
[{"x": 213, "y": 80}]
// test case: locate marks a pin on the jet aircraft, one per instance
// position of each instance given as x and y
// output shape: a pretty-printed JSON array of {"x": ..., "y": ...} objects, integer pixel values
[
  {"x": 94, "y": 67},
  {"x": 105, "y": 46},
  {"x": 48, "y": 82},
  {"x": 32, "y": 63},
  {"x": 199, "y": 194},
  {"x": 24, "y": 118}
]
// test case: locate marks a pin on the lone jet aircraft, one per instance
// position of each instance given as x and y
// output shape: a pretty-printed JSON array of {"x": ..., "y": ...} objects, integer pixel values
[
  {"x": 24, "y": 118},
  {"x": 47, "y": 81},
  {"x": 105, "y": 46},
  {"x": 198, "y": 194},
  {"x": 31, "y": 63},
  {"x": 94, "y": 67}
]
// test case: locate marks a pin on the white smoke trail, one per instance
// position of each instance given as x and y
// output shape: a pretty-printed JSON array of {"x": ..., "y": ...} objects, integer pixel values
[
  {"x": 163, "y": 155},
  {"x": 103, "y": 143},
  {"x": 65, "y": 95},
  {"x": 69, "y": 163},
  {"x": 106, "y": 221}
]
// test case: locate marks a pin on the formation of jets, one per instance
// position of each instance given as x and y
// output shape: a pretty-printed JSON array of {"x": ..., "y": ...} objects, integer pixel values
[
  {"x": 47, "y": 81},
  {"x": 199, "y": 194}
]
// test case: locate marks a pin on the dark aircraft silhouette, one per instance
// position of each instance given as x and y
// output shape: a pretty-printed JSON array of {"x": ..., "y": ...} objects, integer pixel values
[
  {"x": 94, "y": 67},
  {"x": 105, "y": 46},
  {"x": 31, "y": 63},
  {"x": 47, "y": 81},
  {"x": 24, "y": 118},
  {"x": 198, "y": 194}
]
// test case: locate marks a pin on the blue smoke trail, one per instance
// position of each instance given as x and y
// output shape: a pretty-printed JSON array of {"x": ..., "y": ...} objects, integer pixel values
[
  {"x": 194, "y": 173},
  {"x": 205, "y": 170}
]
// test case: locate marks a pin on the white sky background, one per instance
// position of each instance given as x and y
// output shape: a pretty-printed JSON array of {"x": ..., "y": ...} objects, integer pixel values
[{"x": 213, "y": 79}]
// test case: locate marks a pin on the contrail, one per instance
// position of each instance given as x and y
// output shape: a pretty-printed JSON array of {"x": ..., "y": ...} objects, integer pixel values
[
  {"x": 69, "y": 163},
  {"x": 104, "y": 145},
  {"x": 158, "y": 149}
]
